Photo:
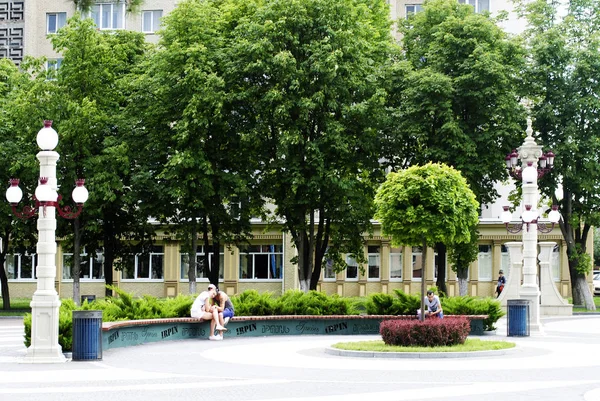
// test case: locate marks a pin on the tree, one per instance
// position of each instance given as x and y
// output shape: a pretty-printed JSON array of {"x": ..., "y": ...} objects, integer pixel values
[
  {"x": 89, "y": 96},
  {"x": 308, "y": 74},
  {"x": 204, "y": 164},
  {"x": 454, "y": 99},
  {"x": 564, "y": 82},
  {"x": 425, "y": 205}
]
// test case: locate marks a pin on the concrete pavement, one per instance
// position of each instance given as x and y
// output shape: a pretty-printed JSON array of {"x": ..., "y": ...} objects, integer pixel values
[{"x": 560, "y": 365}]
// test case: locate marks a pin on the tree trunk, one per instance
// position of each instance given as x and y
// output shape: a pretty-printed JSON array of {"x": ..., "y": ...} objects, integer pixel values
[
  {"x": 441, "y": 271},
  {"x": 76, "y": 261},
  {"x": 109, "y": 256},
  {"x": 4, "y": 277},
  {"x": 581, "y": 291},
  {"x": 423, "y": 280},
  {"x": 192, "y": 257},
  {"x": 300, "y": 239}
]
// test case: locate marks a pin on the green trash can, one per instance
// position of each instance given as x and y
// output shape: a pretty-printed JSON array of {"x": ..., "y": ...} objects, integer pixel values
[
  {"x": 518, "y": 318},
  {"x": 87, "y": 335}
]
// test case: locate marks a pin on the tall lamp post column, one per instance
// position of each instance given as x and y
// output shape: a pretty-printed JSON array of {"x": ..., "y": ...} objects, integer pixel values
[
  {"x": 45, "y": 302},
  {"x": 530, "y": 155}
]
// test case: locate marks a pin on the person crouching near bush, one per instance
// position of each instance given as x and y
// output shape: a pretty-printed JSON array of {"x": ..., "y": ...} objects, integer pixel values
[
  {"x": 433, "y": 306},
  {"x": 203, "y": 308}
]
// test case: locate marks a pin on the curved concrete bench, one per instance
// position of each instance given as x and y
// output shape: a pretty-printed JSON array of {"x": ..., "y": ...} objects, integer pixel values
[{"x": 134, "y": 332}]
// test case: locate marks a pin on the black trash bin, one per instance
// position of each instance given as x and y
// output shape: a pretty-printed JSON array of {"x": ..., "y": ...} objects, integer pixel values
[
  {"x": 87, "y": 335},
  {"x": 88, "y": 298},
  {"x": 518, "y": 318}
]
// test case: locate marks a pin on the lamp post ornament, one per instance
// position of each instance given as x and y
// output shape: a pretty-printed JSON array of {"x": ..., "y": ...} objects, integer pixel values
[
  {"x": 536, "y": 164},
  {"x": 45, "y": 302}
]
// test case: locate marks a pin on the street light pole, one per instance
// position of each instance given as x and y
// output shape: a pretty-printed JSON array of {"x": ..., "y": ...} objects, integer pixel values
[
  {"x": 45, "y": 302},
  {"x": 530, "y": 154}
]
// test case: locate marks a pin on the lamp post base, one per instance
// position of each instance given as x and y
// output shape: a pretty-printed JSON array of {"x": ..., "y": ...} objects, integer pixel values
[
  {"x": 44, "y": 347},
  {"x": 533, "y": 296}
]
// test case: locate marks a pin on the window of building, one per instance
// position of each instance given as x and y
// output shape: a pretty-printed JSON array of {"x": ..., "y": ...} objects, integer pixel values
[
  {"x": 53, "y": 64},
  {"x": 505, "y": 261},
  {"x": 374, "y": 263},
  {"x": 55, "y": 21},
  {"x": 151, "y": 20},
  {"x": 261, "y": 262},
  {"x": 484, "y": 261},
  {"x": 20, "y": 267},
  {"x": 91, "y": 266},
  {"x": 417, "y": 259},
  {"x": 555, "y": 263},
  {"x": 184, "y": 264},
  {"x": 109, "y": 15},
  {"x": 351, "y": 268},
  {"x": 413, "y": 9},
  {"x": 328, "y": 272},
  {"x": 396, "y": 264},
  {"x": 147, "y": 265},
  {"x": 479, "y": 5}
]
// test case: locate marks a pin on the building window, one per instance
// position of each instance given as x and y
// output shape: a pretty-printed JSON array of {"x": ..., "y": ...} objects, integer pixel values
[
  {"x": 436, "y": 265},
  {"x": 91, "y": 266},
  {"x": 184, "y": 263},
  {"x": 417, "y": 261},
  {"x": 53, "y": 64},
  {"x": 351, "y": 268},
  {"x": 109, "y": 15},
  {"x": 555, "y": 263},
  {"x": 505, "y": 261},
  {"x": 413, "y": 9},
  {"x": 478, "y": 5},
  {"x": 20, "y": 267},
  {"x": 145, "y": 265},
  {"x": 328, "y": 272},
  {"x": 55, "y": 21},
  {"x": 396, "y": 264},
  {"x": 151, "y": 21},
  {"x": 261, "y": 262},
  {"x": 484, "y": 261},
  {"x": 374, "y": 263}
]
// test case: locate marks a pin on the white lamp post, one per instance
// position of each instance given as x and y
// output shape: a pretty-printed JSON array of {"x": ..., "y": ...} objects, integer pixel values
[
  {"x": 530, "y": 154},
  {"x": 45, "y": 302}
]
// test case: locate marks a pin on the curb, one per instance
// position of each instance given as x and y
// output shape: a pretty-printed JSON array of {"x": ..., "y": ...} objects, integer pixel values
[{"x": 417, "y": 355}]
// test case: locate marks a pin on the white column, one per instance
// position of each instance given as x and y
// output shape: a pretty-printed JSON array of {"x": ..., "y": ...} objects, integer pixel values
[
  {"x": 45, "y": 303},
  {"x": 530, "y": 152}
]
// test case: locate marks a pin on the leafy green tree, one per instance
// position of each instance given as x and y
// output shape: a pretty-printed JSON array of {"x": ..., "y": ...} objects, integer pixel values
[
  {"x": 308, "y": 77},
  {"x": 90, "y": 93},
  {"x": 454, "y": 99},
  {"x": 564, "y": 82},
  {"x": 204, "y": 165},
  {"x": 425, "y": 205}
]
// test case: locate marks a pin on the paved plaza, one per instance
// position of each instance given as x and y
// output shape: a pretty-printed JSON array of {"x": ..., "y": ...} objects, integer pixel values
[{"x": 563, "y": 364}]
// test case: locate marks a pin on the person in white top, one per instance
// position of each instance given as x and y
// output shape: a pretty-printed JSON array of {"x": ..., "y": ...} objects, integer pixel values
[
  {"x": 203, "y": 308},
  {"x": 433, "y": 305}
]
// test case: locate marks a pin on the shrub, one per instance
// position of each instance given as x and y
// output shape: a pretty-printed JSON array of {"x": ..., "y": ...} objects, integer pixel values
[
  {"x": 252, "y": 303},
  {"x": 296, "y": 302},
  {"x": 428, "y": 333},
  {"x": 467, "y": 305}
]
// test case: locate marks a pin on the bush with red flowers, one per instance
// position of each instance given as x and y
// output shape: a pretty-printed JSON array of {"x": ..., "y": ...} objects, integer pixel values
[{"x": 432, "y": 332}]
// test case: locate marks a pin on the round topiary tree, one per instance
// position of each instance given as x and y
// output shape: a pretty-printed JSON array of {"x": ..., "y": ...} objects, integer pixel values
[{"x": 425, "y": 205}]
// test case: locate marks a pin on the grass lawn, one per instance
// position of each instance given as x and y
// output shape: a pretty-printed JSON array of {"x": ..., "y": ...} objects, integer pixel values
[
  {"x": 471, "y": 344},
  {"x": 18, "y": 306},
  {"x": 596, "y": 302}
]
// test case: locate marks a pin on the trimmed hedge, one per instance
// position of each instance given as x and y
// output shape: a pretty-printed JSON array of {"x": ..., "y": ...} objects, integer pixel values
[
  {"x": 428, "y": 333},
  {"x": 407, "y": 304}
]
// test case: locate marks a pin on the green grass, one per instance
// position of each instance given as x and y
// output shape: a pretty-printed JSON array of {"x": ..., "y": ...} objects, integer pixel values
[
  {"x": 470, "y": 345},
  {"x": 18, "y": 306},
  {"x": 596, "y": 302}
]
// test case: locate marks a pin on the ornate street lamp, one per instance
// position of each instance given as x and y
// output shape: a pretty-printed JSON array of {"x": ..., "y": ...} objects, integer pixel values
[
  {"x": 45, "y": 302},
  {"x": 536, "y": 165}
]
